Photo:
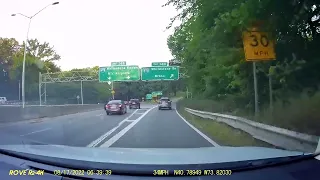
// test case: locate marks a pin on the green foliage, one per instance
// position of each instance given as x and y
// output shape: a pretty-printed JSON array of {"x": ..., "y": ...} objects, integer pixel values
[
  {"x": 208, "y": 43},
  {"x": 42, "y": 51},
  {"x": 301, "y": 115},
  {"x": 41, "y": 58}
]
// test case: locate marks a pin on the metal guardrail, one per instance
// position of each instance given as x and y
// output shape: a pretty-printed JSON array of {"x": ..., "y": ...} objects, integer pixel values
[
  {"x": 17, "y": 102},
  {"x": 34, "y": 103},
  {"x": 276, "y": 136}
]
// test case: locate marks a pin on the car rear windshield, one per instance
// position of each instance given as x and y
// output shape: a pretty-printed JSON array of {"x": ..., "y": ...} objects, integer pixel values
[
  {"x": 114, "y": 102},
  {"x": 134, "y": 100}
]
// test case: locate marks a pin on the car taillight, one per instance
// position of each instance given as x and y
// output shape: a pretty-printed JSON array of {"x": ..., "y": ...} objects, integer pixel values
[{"x": 107, "y": 106}]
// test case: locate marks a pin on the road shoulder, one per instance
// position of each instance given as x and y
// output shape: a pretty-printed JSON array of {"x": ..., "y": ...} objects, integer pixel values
[{"x": 221, "y": 133}]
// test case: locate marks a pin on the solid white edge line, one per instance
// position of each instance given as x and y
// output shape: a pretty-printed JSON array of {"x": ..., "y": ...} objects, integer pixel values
[
  {"x": 198, "y": 131},
  {"x": 104, "y": 136},
  {"x": 125, "y": 130}
]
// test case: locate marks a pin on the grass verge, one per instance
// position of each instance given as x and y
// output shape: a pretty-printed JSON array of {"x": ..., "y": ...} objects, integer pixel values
[{"x": 222, "y": 133}]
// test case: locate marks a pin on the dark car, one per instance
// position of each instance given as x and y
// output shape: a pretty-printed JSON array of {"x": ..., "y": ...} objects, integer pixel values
[
  {"x": 164, "y": 103},
  {"x": 134, "y": 103},
  {"x": 115, "y": 107}
]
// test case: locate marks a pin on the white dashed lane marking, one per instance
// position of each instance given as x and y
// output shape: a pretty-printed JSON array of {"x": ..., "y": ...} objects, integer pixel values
[{"x": 33, "y": 132}]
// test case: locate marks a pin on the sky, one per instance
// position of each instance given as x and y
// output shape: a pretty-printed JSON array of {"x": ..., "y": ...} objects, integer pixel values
[{"x": 94, "y": 34}]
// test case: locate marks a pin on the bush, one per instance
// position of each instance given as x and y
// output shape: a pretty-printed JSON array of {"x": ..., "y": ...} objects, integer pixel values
[{"x": 301, "y": 114}]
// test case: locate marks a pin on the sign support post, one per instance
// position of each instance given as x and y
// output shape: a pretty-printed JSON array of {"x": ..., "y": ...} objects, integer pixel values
[
  {"x": 258, "y": 47},
  {"x": 81, "y": 92},
  {"x": 255, "y": 84},
  {"x": 270, "y": 93},
  {"x": 112, "y": 90},
  {"x": 45, "y": 93},
  {"x": 187, "y": 93}
]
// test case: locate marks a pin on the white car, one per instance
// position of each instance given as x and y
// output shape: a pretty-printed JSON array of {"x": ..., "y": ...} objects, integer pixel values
[
  {"x": 164, "y": 103},
  {"x": 3, "y": 100}
]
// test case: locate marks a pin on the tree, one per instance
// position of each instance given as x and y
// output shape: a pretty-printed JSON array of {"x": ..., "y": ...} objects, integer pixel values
[
  {"x": 42, "y": 51},
  {"x": 208, "y": 43},
  {"x": 8, "y": 48},
  {"x": 40, "y": 57},
  {"x": 45, "y": 53}
]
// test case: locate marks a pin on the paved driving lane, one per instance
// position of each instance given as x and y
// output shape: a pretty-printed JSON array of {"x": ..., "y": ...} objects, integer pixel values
[
  {"x": 73, "y": 130},
  {"x": 147, "y": 127},
  {"x": 160, "y": 129}
]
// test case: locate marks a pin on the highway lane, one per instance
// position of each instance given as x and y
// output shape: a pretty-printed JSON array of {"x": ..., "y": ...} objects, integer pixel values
[
  {"x": 159, "y": 129},
  {"x": 73, "y": 130},
  {"x": 142, "y": 128}
]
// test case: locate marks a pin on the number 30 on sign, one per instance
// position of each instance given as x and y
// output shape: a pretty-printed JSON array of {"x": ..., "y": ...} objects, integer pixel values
[{"x": 258, "y": 46}]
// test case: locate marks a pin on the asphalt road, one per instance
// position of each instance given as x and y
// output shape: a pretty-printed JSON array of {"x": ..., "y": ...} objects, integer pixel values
[{"x": 147, "y": 127}]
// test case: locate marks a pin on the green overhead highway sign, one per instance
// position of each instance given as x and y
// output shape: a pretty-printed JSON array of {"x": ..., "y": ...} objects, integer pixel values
[
  {"x": 160, "y": 73},
  {"x": 120, "y": 63},
  {"x": 159, "y": 64},
  {"x": 119, "y": 73},
  {"x": 148, "y": 96}
]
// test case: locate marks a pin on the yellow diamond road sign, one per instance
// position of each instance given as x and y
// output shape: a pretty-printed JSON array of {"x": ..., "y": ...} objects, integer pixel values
[
  {"x": 113, "y": 92},
  {"x": 258, "y": 46}
]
